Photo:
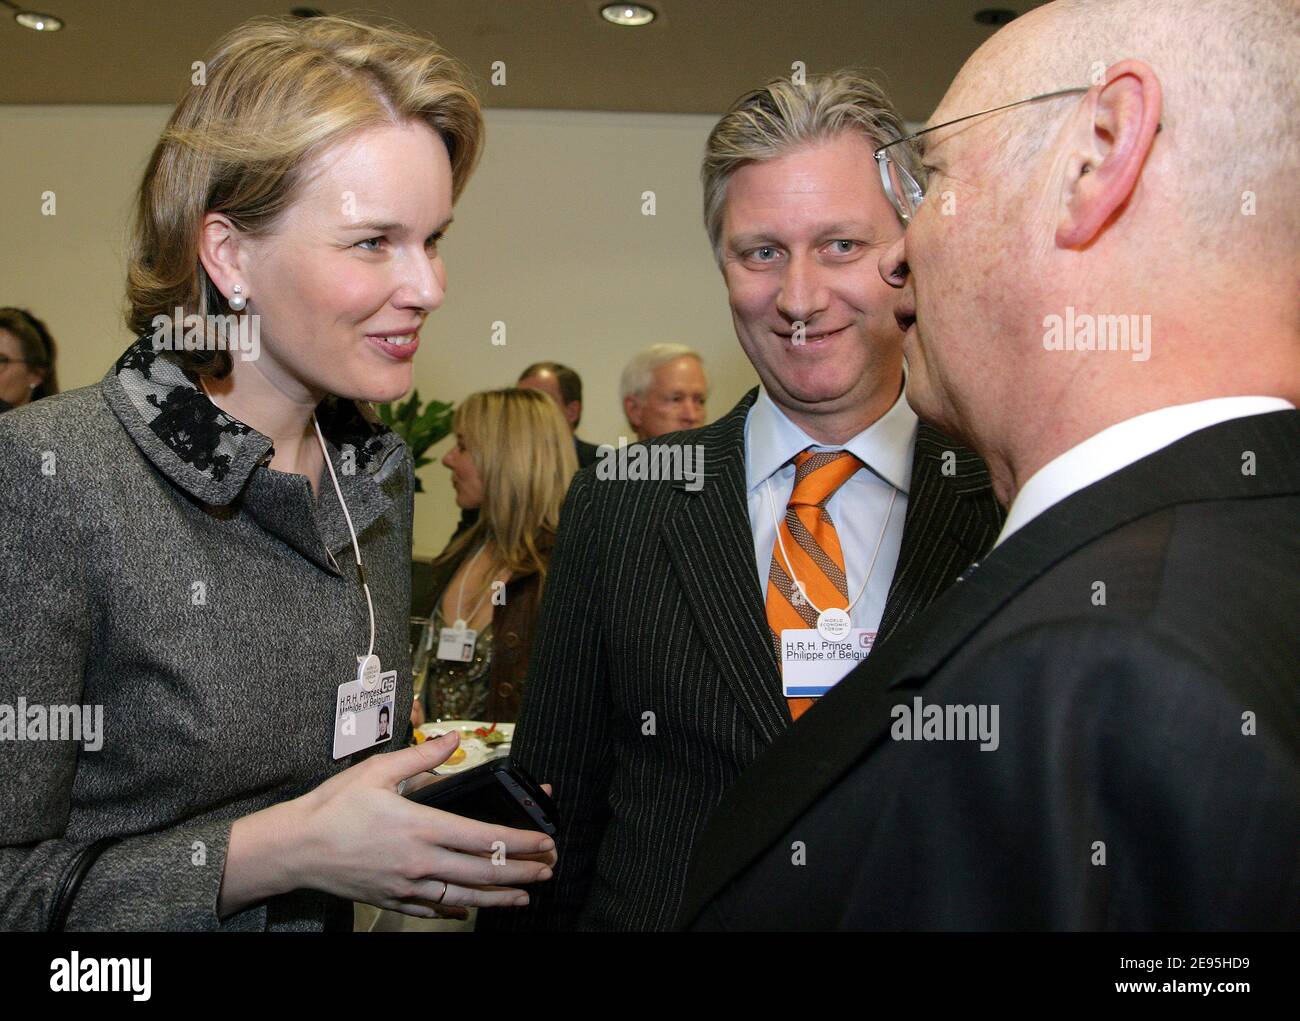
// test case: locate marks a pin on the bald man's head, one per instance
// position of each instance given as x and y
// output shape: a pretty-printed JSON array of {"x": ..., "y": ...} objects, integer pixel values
[
  {"x": 1153, "y": 207},
  {"x": 1229, "y": 114}
]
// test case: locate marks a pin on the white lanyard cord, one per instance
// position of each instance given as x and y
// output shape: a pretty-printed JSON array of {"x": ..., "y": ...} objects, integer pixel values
[
  {"x": 361, "y": 571},
  {"x": 767, "y": 483}
]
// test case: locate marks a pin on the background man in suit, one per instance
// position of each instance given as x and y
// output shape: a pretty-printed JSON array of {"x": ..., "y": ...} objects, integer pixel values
[
  {"x": 1135, "y": 626},
  {"x": 656, "y": 679},
  {"x": 664, "y": 390},
  {"x": 564, "y": 386}
]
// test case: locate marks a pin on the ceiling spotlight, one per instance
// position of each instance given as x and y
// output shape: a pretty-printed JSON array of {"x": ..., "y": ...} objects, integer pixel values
[
  {"x": 629, "y": 15},
  {"x": 35, "y": 21}
]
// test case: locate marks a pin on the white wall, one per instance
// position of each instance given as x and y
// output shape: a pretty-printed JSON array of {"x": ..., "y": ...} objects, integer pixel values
[{"x": 549, "y": 238}]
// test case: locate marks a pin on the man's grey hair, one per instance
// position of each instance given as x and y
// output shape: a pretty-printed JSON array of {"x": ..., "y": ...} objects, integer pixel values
[
  {"x": 638, "y": 375},
  {"x": 784, "y": 115}
]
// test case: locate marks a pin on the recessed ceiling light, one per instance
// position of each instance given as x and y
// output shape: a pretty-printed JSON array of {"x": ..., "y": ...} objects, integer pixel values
[
  {"x": 630, "y": 15},
  {"x": 38, "y": 22},
  {"x": 995, "y": 16}
]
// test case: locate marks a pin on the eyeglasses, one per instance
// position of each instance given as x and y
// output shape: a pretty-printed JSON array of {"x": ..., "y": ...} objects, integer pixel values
[{"x": 902, "y": 189}]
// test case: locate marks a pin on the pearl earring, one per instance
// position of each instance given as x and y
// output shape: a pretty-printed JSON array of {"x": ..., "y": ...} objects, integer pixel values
[{"x": 238, "y": 300}]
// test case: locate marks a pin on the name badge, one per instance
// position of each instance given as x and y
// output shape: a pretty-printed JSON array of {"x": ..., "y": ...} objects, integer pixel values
[
  {"x": 364, "y": 717},
  {"x": 811, "y": 664},
  {"x": 457, "y": 644}
]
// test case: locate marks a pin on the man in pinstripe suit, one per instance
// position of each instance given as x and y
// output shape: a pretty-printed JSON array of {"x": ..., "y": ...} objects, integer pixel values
[{"x": 668, "y": 653}]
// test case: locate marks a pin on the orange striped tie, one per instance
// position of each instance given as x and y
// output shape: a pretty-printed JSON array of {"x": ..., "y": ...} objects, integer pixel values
[{"x": 813, "y": 549}]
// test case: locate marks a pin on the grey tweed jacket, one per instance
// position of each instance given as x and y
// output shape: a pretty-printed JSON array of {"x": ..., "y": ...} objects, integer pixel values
[{"x": 154, "y": 565}]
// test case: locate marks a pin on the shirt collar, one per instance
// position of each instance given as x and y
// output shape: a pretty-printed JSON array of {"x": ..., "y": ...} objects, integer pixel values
[
  {"x": 886, "y": 446},
  {"x": 1121, "y": 445}
]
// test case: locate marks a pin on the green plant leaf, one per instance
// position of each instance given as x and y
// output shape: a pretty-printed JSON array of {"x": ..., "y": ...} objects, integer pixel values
[{"x": 420, "y": 427}]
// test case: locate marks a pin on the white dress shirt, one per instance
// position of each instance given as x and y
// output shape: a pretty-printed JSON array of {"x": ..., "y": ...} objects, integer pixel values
[
  {"x": 857, "y": 508},
  {"x": 1121, "y": 445}
]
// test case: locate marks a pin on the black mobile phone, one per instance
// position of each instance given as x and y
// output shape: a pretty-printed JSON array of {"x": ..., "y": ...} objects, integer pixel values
[{"x": 498, "y": 792}]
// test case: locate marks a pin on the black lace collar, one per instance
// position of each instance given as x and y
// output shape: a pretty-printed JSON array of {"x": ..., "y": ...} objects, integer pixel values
[{"x": 202, "y": 448}]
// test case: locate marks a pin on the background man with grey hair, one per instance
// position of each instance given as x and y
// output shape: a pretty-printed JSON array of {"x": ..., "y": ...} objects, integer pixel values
[
  {"x": 1135, "y": 625},
  {"x": 664, "y": 390},
  {"x": 678, "y": 628}
]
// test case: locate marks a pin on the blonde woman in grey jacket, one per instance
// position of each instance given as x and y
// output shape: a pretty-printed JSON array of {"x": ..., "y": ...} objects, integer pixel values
[{"x": 188, "y": 743}]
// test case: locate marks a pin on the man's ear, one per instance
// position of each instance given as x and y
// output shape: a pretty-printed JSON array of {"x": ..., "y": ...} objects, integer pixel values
[
  {"x": 219, "y": 252},
  {"x": 1115, "y": 132},
  {"x": 632, "y": 409},
  {"x": 573, "y": 413}
]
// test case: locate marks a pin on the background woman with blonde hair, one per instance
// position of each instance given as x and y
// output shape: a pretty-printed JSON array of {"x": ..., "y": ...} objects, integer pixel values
[
  {"x": 513, "y": 461},
  {"x": 224, "y": 540}
]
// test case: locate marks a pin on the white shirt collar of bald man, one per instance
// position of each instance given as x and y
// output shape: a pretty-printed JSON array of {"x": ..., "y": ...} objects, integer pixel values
[{"x": 1121, "y": 445}]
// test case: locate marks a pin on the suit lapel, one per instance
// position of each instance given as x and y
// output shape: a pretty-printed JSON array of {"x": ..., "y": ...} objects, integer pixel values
[
  {"x": 952, "y": 521},
  {"x": 809, "y": 758},
  {"x": 712, "y": 548}
]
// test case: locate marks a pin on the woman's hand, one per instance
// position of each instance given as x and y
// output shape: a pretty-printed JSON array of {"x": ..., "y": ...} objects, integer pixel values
[{"x": 354, "y": 836}]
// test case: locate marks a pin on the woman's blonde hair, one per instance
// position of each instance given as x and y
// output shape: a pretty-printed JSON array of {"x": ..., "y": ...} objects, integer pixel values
[
  {"x": 785, "y": 115},
  {"x": 276, "y": 93},
  {"x": 524, "y": 453}
]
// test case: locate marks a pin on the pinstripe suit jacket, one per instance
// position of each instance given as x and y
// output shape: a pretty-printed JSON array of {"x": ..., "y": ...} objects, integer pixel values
[{"x": 654, "y": 682}]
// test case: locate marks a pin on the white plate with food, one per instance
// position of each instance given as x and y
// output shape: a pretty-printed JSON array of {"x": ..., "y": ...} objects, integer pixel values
[
  {"x": 479, "y": 742},
  {"x": 493, "y": 735}
]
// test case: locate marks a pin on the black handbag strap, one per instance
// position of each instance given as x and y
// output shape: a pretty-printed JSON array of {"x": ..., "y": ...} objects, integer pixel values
[{"x": 72, "y": 881}]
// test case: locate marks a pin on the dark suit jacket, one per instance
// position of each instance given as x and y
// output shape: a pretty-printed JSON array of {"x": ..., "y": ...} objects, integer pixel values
[
  {"x": 654, "y": 681},
  {"x": 587, "y": 452},
  {"x": 1123, "y": 728}
]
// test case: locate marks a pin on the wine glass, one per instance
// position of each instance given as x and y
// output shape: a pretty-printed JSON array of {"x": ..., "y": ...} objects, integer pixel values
[{"x": 421, "y": 647}]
